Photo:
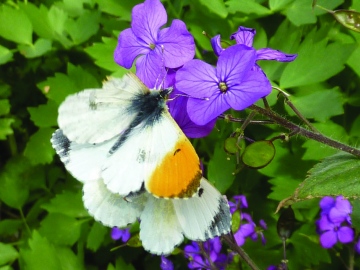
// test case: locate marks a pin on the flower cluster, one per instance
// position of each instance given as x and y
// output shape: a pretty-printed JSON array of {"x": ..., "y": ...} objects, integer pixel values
[
  {"x": 247, "y": 228},
  {"x": 166, "y": 55},
  {"x": 120, "y": 234},
  {"x": 207, "y": 256},
  {"x": 334, "y": 224}
]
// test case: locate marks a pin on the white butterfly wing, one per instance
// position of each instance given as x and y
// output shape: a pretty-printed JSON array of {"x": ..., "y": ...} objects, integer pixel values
[
  {"x": 139, "y": 158},
  {"x": 97, "y": 115},
  {"x": 108, "y": 208},
  {"x": 83, "y": 161},
  {"x": 205, "y": 215},
  {"x": 160, "y": 230}
]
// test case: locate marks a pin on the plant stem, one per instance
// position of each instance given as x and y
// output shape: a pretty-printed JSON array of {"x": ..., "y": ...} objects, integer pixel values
[
  {"x": 295, "y": 129},
  {"x": 230, "y": 240}
]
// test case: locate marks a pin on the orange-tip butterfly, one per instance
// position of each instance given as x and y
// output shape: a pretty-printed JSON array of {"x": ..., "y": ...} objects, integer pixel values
[{"x": 135, "y": 162}]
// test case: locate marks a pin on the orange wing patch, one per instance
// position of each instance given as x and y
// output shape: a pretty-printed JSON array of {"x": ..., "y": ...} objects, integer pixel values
[{"x": 179, "y": 174}]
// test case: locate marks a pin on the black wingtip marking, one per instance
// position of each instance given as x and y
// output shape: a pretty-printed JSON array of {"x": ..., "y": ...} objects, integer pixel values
[{"x": 61, "y": 144}]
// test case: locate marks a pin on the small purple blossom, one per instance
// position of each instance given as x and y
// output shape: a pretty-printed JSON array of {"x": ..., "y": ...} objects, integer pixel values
[
  {"x": 120, "y": 234},
  {"x": 153, "y": 47},
  {"x": 334, "y": 223},
  {"x": 331, "y": 233},
  {"x": 166, "y": 264},
  {"x": 213, "y": 249},
  {"x": 232, "y": 84},
  {"x": 245, "y": 36},
  {"x": 240, "y": 202}
]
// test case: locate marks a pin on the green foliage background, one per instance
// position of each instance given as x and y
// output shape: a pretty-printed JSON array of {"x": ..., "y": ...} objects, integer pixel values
[{"x": 50, "y": 49}]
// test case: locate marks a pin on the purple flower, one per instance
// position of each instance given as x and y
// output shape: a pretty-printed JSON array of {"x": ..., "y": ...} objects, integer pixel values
[
  {"x": 166, "y": 264},
  {"x": 120, "y": 234},
  {"x": 240, "y": 202},
  {"x": 245, "y": 36},
  {"x": 155, "y": 48},
  {"x": 332, "y": 232},
  {"x": 213, "y": 249},
  {"x": 250, "y": 230},
  {"x": 176, "y": 107},
  {"x": 232, "y": 84}
]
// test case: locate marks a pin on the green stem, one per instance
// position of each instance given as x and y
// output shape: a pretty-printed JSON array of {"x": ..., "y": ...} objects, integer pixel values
[
  {"x": 295, "y": 129},
  {"x": 230, "y": 240},
  {"x": 24, "y": 220}
]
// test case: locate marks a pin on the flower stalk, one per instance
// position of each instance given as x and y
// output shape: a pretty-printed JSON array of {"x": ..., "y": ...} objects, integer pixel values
[{"x": 296, "y": 130}]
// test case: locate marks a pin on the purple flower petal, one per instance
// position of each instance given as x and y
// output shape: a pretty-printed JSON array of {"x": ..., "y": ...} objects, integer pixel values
[
  {"x": 197, "y": 79},
  {"x": 328, "y": 239},
  {"x": 324, "y": 224},
  {"x": 233, "y": 207},
  {"x": 271, "y": 54},
  {"x": 244, "y": 36},
  {"x": 149, "y": 69},
  {"x": 178, "y": 44},
  {"x": 262, "y": 224},
  {"x": 191, "y": 250},
  {"x": 216, "y": 45},
  {"x": 252, "y": 88},
  {"x": 234, "y": 64},
  {"x": 147, "y": 18},
  {"x": 239, "y": 238},
  {"x": 326, "y": 204},
  {"x": 216, "y": 244},
  {"x": 247, "y": 229},
  {"x": 123, "y": 234},
  {"x": 202, "y": 112},
  {"x": 128, "y": 48},
  {"x": 166, "y": 264},
  {"x": 345, "y": 234},
  {"x": 241, "y": 201},
  {"x": 191, "y": 130}
]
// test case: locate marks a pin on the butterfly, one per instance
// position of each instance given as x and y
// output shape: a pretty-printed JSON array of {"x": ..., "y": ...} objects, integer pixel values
[{"x": 136, "y": 163}]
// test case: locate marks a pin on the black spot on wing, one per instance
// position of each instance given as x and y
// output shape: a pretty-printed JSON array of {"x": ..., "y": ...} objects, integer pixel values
[
  {"x": 200, "y": 192},
  {"x": 176, "y": 151},
  {"x": 61, "y": 144}
]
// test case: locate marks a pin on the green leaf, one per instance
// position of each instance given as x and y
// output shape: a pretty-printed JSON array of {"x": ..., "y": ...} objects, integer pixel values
[
  {"x": 334, "y": 176},
  {"x": 300, "y": 12},
  {"x": 5, "y": 55},
  {"x": 40, "y": 47},
  {"x": 59, "y": 87},
  {"x": 60, "y": 229},
  {"x": 41, "y": 255},
  {"x": 39, "y": 19},
  {"x": 57, "y": 19},
  {"x": 355, "y": 215},
  {"x": 222, "y": 179},
  {"x": 320, "y": 105},
  {"x": 15, "y": 25},
  {"x": 67, "y": 203},
  {"x": 282, "y": 187},
  {"x": 96, "y": 236},
  {"x": 38, "y": 148},
  {"x": 103, "y": 53},
  {"x": 8, "y": 254},
  {"x": 215, "y": 6},
  {"x": 118, "y": 8},
  {"x": 315, "y": 150},
  {"x": 278, "y": 4},
  {"x": 10, "y": 226},
  {"x": 247, "y": 7},
  {"x": 314, "y": 63},
  {"x": 83, "y": 27},
  {"x": 5, "y": 127},
  {"x": 306, "y": 249},
  {"x": 14, "y": 186},
  {"x": 120, "y": 264},
  {"x": 4, "y": 106},
  {"x": 44, "y": 115}
]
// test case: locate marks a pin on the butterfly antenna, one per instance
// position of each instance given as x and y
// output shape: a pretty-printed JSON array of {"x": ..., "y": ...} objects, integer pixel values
[{"x": 163, "y": 68}]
